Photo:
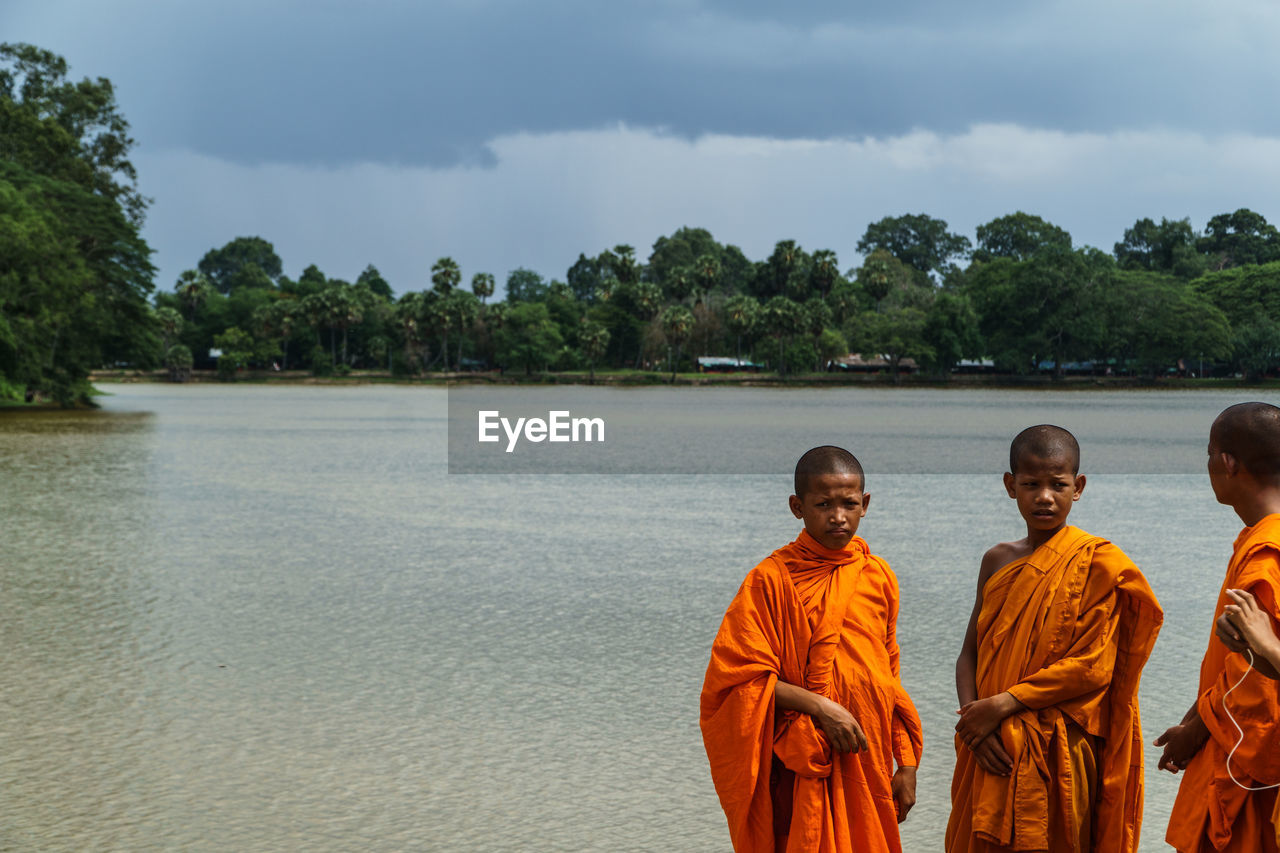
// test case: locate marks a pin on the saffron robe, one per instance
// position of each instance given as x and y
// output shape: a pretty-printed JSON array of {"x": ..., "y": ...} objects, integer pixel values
[
  {"x": 1066, "y": 630},
  {"x": 1211, "y": 812},
  {"x": 826, "y": 621}
]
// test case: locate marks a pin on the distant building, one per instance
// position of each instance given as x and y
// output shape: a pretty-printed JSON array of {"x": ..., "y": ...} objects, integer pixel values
[
  {"x": 856, "y": 361},
  {"x": 722, "y": 364}
]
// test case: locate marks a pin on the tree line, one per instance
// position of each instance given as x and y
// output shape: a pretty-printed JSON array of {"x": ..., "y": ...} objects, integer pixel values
[
  {"x": 1020, "y": 294},
  {"x": 77, "y": 290}
]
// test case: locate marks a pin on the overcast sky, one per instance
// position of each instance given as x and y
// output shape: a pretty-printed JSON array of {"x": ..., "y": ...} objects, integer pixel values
[{"x": 512, "y": 133}]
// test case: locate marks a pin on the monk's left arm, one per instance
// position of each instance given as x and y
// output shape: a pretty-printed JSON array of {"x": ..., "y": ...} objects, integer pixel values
[
  {"x": 1235, "y": 666},
  {"x": 906, "y": 731}
]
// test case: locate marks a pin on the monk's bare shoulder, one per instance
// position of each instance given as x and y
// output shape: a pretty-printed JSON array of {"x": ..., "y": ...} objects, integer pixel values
[{"x": 999, "y": 555}]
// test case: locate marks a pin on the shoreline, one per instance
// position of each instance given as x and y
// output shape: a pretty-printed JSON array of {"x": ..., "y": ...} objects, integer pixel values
[{"x": 639, "y": 379}]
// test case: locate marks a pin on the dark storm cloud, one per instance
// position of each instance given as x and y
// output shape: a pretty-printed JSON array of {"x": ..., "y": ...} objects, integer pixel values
[{"x": 407, "y": 83}]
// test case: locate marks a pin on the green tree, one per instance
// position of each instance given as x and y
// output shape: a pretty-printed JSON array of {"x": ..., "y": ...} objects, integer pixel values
[
  {"x": 1243, "y": 293},
  {"x": 950, "y": 331},
  {"x": 464, "y": 312},
  {"x": 1240, "y": 238},
  {"x": 595, "y": 343},
  {"x": 895, "y": 333},
  {"x": 75, "y": 272},
  {"x": 64, "y": 130},
  {"x": 193, "y": 289},
  {"x": 529, "y": 337},
  {"x": 244, "y": 262},
  {"x": 482, "y": 286},
  {"x": 1018, "y": 236},
  {"x": 525, "y": 285},
  {"x": 1256, "y": 348},
  {"x": 741, "y": 313},
  {"x": 825, "y": 271},
  {"x": 918, "y": 240},
  {"x": 372, "y": 279},
  {"x": 1169, "y": 247},
  {"x": 1169, "y": 320},
  {"x": 445, "y": 275},
  {"x": 178, "y": 360},
  {"x": 781, "y": 319},
  {"x": 237, "y": 351},
  {"x": 677, "y": 325},
  {"x": 170, "y": 325},
  {"x": 74, "y": 280}
]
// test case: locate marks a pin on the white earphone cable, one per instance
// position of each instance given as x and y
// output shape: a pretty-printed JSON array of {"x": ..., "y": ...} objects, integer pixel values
[{"x": 1249, "y": 653}]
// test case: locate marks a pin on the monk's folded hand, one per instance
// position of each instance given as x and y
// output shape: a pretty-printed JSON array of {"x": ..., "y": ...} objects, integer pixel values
[
  {"x": 992, "y": 757},
  {"x": 904, "y": 791},
  {"x": 983, "y": 716},
  {"x": 841, "y": 729},
  {"x": 1181, "y": 743}
]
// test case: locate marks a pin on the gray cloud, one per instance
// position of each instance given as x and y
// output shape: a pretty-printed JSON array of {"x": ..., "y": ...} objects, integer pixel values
[
  {"x": 398, "y": 82},
  {"x": 550, "y": 196}
]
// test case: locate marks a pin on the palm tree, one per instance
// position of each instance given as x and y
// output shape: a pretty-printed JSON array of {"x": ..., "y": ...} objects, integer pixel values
[
  {"x": 445, "y": 275},
  {"x": 706, "y": 270},
  {"x": 677, "y": 325},
  {"x": 741, "y": 314},
  {"x": 408, "y": 313},
  {"x": 595, "y": 342},
  {"x": 464, "y": 313},
  {"x": 826, "y": 269},
  {"x": 193, "y": 288},
  {"x": 647, "y": 298},
  {"x": 482, "y": 286},
  {"x": 170, "y": 325}
]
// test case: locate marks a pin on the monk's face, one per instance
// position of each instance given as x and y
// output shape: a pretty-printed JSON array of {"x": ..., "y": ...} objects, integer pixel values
[
  {"x": 831, "y": 507},
  {"x": 1044, "y": 489}
]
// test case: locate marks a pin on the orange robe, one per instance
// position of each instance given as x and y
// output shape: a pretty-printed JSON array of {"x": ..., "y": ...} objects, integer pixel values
[
  {"x": 1211, "y": 812},
  {"x": 823, "y": 620},
  {"x": 1065, "y": 630}
]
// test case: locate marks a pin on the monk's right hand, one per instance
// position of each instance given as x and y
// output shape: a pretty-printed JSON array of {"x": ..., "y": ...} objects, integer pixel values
[
  {"x": 841, "y": 729},
  {"x": 992, "y": 757},
  {"x": 1181, "y": 743}
]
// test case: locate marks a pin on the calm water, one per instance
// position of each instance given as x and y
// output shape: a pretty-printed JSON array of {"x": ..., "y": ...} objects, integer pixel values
[{"x": 268, "y": 619}]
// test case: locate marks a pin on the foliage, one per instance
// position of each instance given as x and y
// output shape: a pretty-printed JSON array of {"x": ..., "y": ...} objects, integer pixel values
[
  {"x": 74, "y": 269},
  {"x": 237, "y": 351},
  {"x": 918, "y": 240},
  {"x": 1169, "y": 247},
  {"x": 528, "y": 337},
  {"x": 524, "y": 285},
  {"x": 1244, "y": 293},
  {"x": 1018, "y": 236},
  {"x": 1240, "y": 238},
  {"x": 65, "y": 130},
  {"x": 244, "y": 262},
  {"x": 1256, "y": 347}
]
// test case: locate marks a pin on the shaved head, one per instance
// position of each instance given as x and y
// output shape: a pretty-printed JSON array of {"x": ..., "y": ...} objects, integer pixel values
[
  {"x": 1251, "y": 433},
  {"x": 1045, "y": 441},
  {"x": 827, "y": 459}
]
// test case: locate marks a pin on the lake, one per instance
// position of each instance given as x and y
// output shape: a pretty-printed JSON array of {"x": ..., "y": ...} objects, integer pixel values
[{"x": 270, "y": 618}]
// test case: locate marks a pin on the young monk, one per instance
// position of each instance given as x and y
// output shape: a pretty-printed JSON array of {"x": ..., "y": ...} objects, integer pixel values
[
  {"x": 803, "y": 714},
  {"x": 1049, "y": 743},
  {"x": 1213, "y": 812}
]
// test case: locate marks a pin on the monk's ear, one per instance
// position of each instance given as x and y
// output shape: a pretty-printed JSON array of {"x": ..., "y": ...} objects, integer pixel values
[
  {"x": 1008, "y": 484},
  {"x": 866, "y": 502},
  {"x": 1230, "y": 463},
  {"x": 796, "y": 506},
  {"x": 1079, "y": 487}
]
